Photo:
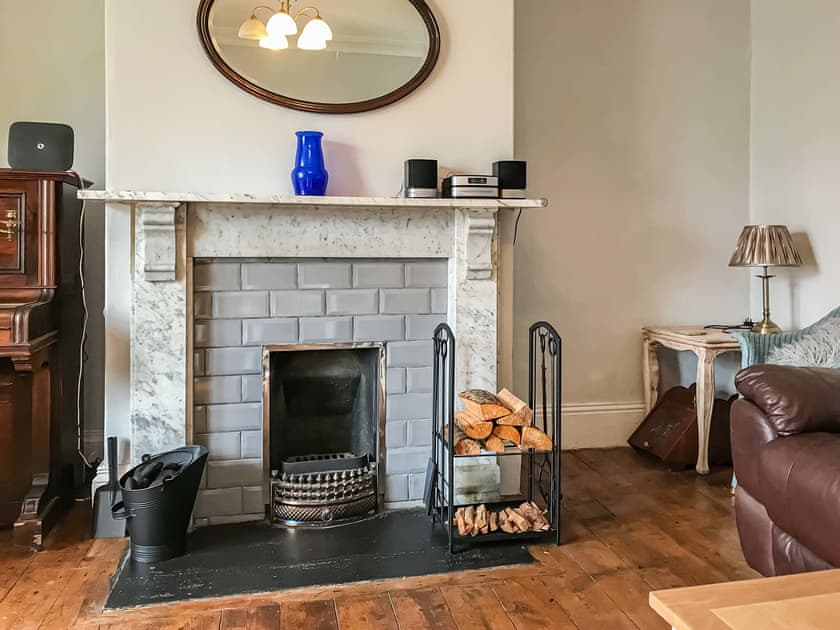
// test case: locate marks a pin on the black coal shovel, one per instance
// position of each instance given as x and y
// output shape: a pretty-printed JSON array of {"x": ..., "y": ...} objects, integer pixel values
[{"x": 104, "y": 523}]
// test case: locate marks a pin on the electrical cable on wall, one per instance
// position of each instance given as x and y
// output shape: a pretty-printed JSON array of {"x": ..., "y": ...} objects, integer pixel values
[{"x": 82, "y": 356}]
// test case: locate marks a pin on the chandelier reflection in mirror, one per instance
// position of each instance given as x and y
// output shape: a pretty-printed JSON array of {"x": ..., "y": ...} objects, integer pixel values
[{"x": 274, "y": 33}]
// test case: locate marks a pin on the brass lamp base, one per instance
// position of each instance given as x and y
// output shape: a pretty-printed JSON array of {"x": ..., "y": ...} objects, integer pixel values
[{"x": 766, "y": 327}]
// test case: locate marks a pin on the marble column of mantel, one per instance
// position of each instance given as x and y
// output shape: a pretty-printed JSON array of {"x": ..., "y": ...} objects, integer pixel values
[{"x": 173, "y": 228}]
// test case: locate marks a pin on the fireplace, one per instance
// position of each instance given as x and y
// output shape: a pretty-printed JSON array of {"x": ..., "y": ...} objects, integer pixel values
[
  {"x": 217, "y": 277},
  {"x": 323, "y": 426}
]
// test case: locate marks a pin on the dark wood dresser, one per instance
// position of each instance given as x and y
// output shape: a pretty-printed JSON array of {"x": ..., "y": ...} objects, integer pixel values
[{"x": 40, "y": 332}]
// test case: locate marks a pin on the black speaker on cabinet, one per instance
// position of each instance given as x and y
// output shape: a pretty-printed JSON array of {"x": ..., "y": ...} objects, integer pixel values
[
  {"x": 37, "y": 146},
  {"x": 421, "y": 179},
  {"x": 512, "y": 180}
]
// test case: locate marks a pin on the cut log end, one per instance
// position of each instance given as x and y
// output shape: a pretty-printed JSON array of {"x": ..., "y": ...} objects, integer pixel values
[
  {"x": 532, "y": 437},
  {"x": 519, "y": 521},
  {"x": 513, "y": 420},
  {"x": 482, "y": 404},
  {"x": 520, "y": 413},
  {"x": 467, "y": 446},
  {"x": 494, "y": 444},
  {"x": 511, "y": 434},
  {"x": 536, "y": 519},
  {"x": 473, "y": 427}
]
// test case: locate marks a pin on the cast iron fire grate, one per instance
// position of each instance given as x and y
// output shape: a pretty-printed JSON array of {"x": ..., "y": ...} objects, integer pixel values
[{"x": 323, "y": 489}]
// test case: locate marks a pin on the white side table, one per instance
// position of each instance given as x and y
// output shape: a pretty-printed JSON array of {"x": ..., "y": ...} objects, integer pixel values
[{"x": 707, "y": 344}]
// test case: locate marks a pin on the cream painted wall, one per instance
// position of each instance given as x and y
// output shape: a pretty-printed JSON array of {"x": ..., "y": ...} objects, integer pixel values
[
  {"x": 634, "y": 119},
  {"x": 175, "y": 123},
  {"x": 796, "y": 148},
  {"x": 57, "y": 74}
]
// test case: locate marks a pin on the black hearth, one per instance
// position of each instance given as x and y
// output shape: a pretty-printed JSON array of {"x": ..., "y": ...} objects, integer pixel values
[
  {"x": 246, "y": 558},
  {"x": 324, "y": 419}
]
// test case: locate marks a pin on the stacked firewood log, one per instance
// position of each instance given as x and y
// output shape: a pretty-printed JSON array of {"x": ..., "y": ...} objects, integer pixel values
[
  {"x": 472, "y": 520},
  {"x": 491, "y": 421}
]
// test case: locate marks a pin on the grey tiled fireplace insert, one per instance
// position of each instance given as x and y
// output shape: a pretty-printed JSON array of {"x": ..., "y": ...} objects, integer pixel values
[{"x": 242, "y": 305}]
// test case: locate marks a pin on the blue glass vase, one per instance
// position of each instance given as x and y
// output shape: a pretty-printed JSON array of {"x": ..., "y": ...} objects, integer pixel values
[{"x": 309, "y": 177}]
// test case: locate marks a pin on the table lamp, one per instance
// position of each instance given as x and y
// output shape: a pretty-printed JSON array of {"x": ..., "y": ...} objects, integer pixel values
[{"x": 765, "y": 246}]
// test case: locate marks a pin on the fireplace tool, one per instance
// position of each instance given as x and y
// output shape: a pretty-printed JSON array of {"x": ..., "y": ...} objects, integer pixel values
[{"x": 104, "y": 524}]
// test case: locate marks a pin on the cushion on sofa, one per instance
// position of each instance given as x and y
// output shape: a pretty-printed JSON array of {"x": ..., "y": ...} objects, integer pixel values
[
  {"x": 800, "y": 488},
  {"x": 794, "y": 399},
  {"x": 819, "y": 348}
]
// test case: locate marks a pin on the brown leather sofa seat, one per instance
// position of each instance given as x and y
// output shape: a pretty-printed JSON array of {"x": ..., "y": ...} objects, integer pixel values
[
  {"x": 800, "y": 489},
  {"x": 786, "y": 453}
]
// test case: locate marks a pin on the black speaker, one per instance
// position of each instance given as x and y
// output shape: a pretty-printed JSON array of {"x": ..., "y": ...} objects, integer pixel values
[
  {"x": 421, "y": 178},
  {"x": 36, "y": 146},
  {"x": 512, "y": 180}
]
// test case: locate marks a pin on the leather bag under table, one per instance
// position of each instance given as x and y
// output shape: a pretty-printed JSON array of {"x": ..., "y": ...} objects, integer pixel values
[{"x": 669, "y": 432}]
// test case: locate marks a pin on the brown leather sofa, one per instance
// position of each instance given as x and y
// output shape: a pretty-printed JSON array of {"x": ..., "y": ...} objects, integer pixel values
[{"x": 786, "y": 454}]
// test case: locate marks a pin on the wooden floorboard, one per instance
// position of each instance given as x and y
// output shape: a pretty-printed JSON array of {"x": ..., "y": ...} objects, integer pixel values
[
  {"x": 362, "y": 613},
  {"x": 477, "y": 606},
  {"x": 529, "y": 604},
  {"x": 318, "y": 614},
  {"x": 422, "y": 608},
  {"x": 629, "y": 527}
]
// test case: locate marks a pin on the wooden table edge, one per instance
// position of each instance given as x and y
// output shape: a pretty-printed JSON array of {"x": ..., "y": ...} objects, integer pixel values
[
  {"x": 704, "y": 599},
  {"x": 662, "y": 335},
  {"x": 671, "y": 615}
]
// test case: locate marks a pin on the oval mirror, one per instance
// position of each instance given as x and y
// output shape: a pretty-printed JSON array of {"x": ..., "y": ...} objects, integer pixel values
[{"x": 327, "y": 56}]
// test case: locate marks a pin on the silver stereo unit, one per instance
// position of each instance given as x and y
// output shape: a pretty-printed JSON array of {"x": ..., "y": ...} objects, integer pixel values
[
  {"x": 471, "y": 187},
  {"x": 421, "y": 193}
]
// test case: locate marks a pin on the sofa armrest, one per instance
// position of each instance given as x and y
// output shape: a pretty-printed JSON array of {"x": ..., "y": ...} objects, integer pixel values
[
  {"x": 750, "y": 432},
  {"x": 794, "y": 399}
]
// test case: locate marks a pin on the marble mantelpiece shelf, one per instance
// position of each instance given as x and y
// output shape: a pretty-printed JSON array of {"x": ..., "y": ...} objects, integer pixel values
[{"x": 132, "y": 197}]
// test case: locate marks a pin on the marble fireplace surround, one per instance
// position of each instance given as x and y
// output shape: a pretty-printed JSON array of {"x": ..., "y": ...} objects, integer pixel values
[{"x": 172, "y": 229}]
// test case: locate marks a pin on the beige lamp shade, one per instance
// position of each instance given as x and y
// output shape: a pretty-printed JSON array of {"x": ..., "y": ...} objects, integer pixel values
[
  {"x": 253, "y": 29},
  {"x": 319, "y": 29},
  {"x": 765, "y": 246},
  {"x": 281, "y": 23},
  {"x": 307, "y": 41},
  {"x": 274, "y": 42}
]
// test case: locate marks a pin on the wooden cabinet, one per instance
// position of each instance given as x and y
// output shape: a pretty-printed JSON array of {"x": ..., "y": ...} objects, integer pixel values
[{"x": 40, "y": 333}]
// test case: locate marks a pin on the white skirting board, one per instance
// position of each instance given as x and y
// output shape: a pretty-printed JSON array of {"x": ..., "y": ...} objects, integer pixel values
[{"x": 598, "y": 424}]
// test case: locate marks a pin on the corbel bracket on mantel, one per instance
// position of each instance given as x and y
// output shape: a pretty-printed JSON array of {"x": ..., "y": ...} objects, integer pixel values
[
  {"x": 157, "y": 222},
  {"x": 481, "y": 227}
]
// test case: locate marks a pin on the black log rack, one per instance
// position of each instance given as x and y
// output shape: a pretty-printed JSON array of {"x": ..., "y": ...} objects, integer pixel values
[{"x": 540, "y": 469}]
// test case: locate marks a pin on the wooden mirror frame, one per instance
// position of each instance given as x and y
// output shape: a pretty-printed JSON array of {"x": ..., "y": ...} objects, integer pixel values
[{"x": 202, "y": 22}]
